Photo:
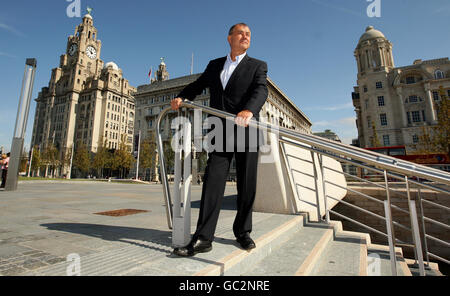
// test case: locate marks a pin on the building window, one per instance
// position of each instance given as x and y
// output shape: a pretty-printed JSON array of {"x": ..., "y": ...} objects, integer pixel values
[
  {"x": 435, "y": 95},
  {"x": 386, "y": 141},
  {"x": 410, "y": 80},
  {"x": 383, "y": 119},
  {"x": 438, "y": 74},
  {"x": 365, "y": 88},
  {"x": 379, "y": 84},
  {"x": 408, "y": 115},
  {"x": 412, "y": 99},
  {"x": 369, "y": 122},
  {"x": 415, "y": 116},
  {"x": 423, "y": 116},
  {"x": 415, "y": 138},
  {"x": 381, "y": 101}
]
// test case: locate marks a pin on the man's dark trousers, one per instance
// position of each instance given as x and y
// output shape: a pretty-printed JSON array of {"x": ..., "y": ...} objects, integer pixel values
[{"x": 216, "y": 173}]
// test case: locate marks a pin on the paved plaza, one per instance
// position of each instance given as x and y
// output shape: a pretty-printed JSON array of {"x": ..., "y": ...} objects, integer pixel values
[{"x": 44, "y": 222}]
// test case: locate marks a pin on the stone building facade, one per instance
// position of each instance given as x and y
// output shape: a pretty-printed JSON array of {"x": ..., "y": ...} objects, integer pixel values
[
  {"x": 156, "y": 96},
  {"x": 394, "y": 104},
  {"x": 86, "y": 100}
]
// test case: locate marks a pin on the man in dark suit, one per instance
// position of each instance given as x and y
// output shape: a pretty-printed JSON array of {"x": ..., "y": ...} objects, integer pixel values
[{"x": 238, "y": 85}]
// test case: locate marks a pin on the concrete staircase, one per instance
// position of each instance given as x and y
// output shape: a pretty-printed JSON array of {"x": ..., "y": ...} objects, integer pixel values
[
  {"x": 286, "y": 245},
  {"x": 291, "y": 245}
]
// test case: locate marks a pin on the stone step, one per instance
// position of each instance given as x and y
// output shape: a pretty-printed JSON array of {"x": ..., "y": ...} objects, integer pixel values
[
  {"x": 379, "y": 263},
  {"x": 431, "y": 269},
  {"x": 297, "y": 256},
  {"x": 227, "y": 257},
  {"x": 344, "y": 256}
]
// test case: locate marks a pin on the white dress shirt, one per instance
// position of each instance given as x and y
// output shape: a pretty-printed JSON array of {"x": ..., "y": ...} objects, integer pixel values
[{"x": 229, "y": 68}]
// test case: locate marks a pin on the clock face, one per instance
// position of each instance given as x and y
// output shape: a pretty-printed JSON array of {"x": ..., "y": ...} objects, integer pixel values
[
  {"x": 73, "y": 49},
  {"x": 91, "y": 52}
]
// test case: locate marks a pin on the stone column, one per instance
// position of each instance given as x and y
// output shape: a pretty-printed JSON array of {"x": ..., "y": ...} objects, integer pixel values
[
  {"x": 431, "y": 112},
  {"x": 402, "y": 107}
]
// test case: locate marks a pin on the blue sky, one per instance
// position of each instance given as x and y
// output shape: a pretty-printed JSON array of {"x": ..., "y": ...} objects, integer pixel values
[{"x": 308, "y": 44}]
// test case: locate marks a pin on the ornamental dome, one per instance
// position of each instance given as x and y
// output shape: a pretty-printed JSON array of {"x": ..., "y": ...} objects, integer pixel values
[
  {"x": 111, "y": 65},
  {"x": 371, "y": 33}
]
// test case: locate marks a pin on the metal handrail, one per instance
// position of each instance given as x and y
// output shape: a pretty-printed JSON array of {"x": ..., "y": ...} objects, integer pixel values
[{"x": 399, "y": 169}]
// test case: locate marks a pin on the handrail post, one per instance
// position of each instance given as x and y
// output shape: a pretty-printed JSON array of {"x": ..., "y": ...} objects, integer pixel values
[
  {"x": 422, "y": 220},
  {"x": 325, "y": 201},
  {"x": 182, "y": 214},
  {"x": 187, "y": 177},
  {"x": 408, "y": 195},
  {"x": 415, "y": 229},
  {"x": 164, "y": 181},
  {"x": 416, "y": 236},
  {"x": 390, "y": 227},
  {"x": 316, "y": 176}
]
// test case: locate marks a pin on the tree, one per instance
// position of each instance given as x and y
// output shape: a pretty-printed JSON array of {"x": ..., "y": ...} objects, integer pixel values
[
  {"x": 169, "y": 155},
  {"x": 426, "y": 143},
  {"x": 374, "y": 139},
  {"x": 36, "y": 159},
  {"x": 436, "y": 139},
  {"x": 442, "y": 130},
  {"x": 101, "y": 158},
  {"x": 66, "y": 155},
  {"x": 23, "y": 162},
  {"x": 147, "y": 154},
  {"x": 82, "y": 159},
  {"x": 50, "y": 158},
  {"x": 203, "y": 160},
  {"x": 123, "y": 159}
]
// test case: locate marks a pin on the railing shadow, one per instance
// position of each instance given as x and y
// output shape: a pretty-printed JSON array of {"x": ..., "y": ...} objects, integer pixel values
[{"x": 132, "y": 235}]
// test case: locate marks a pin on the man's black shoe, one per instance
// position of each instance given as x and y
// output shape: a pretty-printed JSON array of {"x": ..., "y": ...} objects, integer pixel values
[
  {"x": 246, "y": 242},
  {"x": 194, "y": 247}
]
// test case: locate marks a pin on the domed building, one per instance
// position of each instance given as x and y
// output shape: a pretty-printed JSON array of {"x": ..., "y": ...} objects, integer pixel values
[
  {"x": 87, "y": 102},
  {"x": 394, "y": 104}
]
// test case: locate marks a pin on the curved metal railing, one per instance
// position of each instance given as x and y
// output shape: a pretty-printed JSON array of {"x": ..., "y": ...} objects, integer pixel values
[{"x": 388, "y": 168}]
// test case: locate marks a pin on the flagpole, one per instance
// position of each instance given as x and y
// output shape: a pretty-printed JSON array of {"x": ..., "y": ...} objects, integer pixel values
[
  {"x": 139, "y": 150},
  {"x": 192, "y": 64}
]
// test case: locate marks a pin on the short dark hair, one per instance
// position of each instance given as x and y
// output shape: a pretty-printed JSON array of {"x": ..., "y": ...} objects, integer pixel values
[{"x": 232, "y": 27}]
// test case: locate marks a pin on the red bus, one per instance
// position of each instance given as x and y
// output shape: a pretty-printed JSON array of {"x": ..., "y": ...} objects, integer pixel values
[
  {"x": 437, "y": 160},
  {"x": 393, "y": 151}
]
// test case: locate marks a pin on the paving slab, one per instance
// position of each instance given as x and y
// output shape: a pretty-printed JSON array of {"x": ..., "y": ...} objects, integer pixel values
[{"x": 44, "y": 222}]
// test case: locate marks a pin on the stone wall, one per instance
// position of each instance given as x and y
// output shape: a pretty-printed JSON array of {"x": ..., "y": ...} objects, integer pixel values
[{"x": 399, "y": 199}]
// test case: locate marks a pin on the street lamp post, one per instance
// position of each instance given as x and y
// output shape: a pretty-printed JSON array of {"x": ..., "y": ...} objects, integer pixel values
[
  {"x": 138, "y": 152},
  {"x": 21, "y": 124}
]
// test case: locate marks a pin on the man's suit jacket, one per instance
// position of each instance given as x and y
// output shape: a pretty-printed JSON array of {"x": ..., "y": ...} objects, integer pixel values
[{"x": 246, "y": 88}]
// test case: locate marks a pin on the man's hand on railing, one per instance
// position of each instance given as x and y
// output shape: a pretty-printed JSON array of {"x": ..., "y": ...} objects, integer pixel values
[
  {"x": 243, "y": 118},
  {"x": 176, "y": 103}
]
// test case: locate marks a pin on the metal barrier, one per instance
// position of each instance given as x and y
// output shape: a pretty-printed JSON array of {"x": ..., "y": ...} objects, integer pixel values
[{"x": 388, "y": 167}]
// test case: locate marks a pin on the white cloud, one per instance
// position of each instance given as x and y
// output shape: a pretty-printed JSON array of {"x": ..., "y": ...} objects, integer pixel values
[
  {"x": 442, "y": 9},
  {"x": 346, "y": 121},
  {"x": 338, "y": 8},
  {"x": 330, "y": 108},
  {"x": 7, "y": 55},
  {"x": 11, "y": 29}
]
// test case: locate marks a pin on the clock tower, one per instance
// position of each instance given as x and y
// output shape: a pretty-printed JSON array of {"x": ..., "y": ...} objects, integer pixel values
[{"x": 86, "y": 103}]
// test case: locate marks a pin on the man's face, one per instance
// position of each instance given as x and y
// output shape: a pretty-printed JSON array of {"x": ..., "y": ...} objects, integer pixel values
[{"x": 240, "y": 38}]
